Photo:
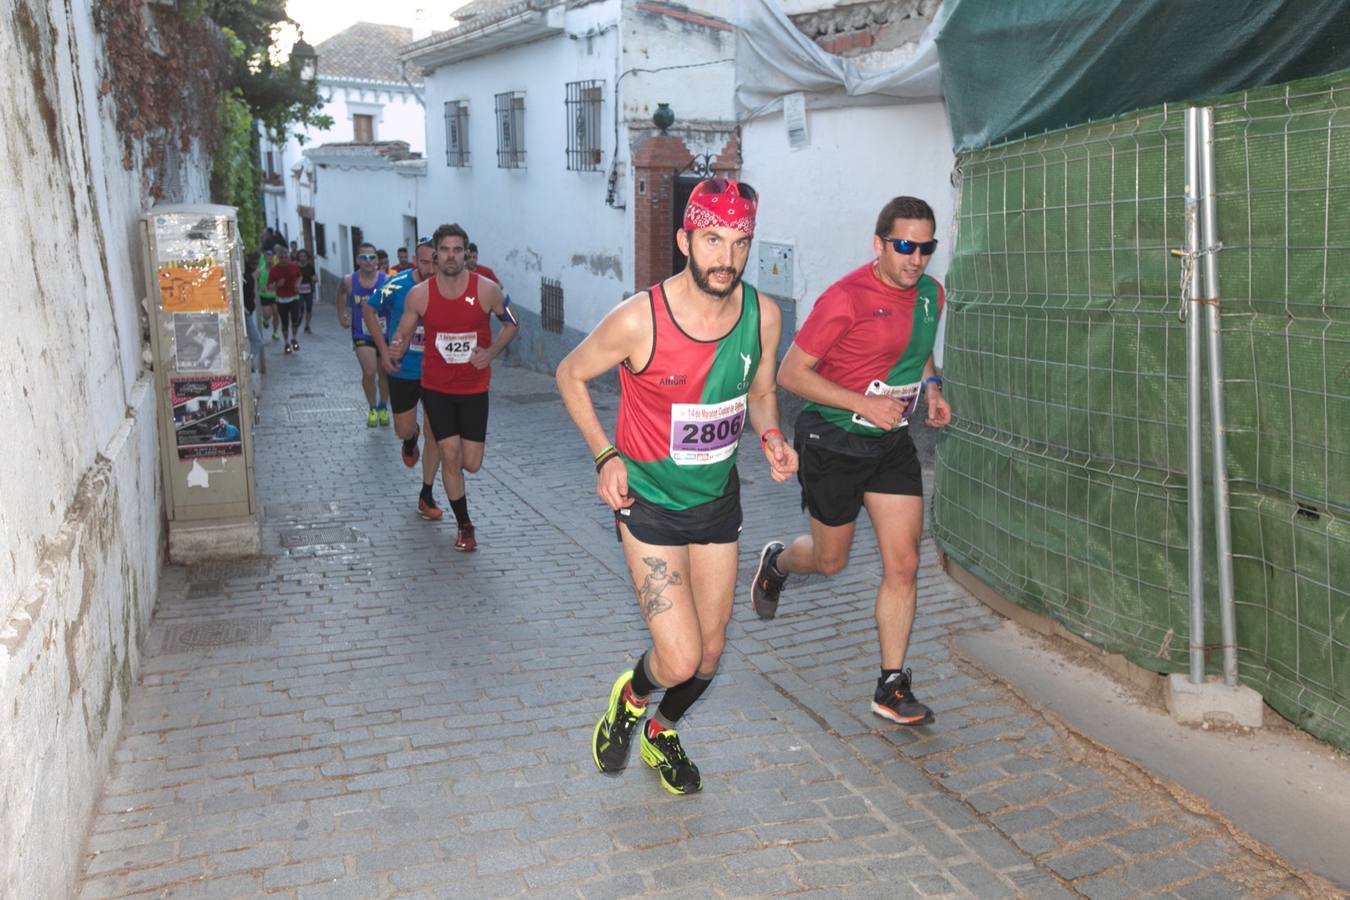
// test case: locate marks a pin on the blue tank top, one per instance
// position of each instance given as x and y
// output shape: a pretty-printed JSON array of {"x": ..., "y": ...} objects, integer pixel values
[
  {"x": 356, "y": 297},
  {"x": 388, "y": 305}
]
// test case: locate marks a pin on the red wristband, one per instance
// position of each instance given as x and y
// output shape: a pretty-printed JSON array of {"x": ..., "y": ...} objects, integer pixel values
[{"x": 764, "y": 438}]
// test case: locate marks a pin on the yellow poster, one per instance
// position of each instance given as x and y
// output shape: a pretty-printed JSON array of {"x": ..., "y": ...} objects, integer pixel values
[{"x": 184, "y": 289}]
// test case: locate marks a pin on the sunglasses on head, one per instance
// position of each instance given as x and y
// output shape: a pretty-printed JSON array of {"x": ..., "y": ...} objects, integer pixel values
[
  {"x": 906, "y": 247},
  {"x": 366, "y": 257},
  {"x": 722, "y": 185}
]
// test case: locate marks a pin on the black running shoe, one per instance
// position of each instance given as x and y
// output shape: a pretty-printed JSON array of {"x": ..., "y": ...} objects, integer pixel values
[
  {"x": 767, "y": 584},
  {"x": 664, "y": 754},
  {"x": 614, "y": 731},
  {"x": 895, "y": 701}
]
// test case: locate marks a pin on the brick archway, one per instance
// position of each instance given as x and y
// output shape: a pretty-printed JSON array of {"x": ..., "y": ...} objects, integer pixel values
[{"x": 654, "y": 167}]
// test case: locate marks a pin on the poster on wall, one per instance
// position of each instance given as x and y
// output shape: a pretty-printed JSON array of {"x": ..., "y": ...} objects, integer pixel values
[
  {"x": 193, "y": 287},
  {"x": 196, "y": 342},
  {"x": 206, "y": 417}
]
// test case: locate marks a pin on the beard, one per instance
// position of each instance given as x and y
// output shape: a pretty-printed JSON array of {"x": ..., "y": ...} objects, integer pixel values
[{"x": 702, "y": 278}]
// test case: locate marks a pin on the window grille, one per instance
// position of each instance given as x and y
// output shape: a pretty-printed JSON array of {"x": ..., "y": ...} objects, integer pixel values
[
  {"x": 511, "y": 130},
  {"x": 320, "y": 241},
  {"x": 457, "y": 133},
  {"x": 584, "y": 100},
  {"x": 551, "y": 304}
]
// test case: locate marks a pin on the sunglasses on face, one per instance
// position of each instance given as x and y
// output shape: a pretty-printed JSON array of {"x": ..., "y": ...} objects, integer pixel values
[
  {"x": 906, "y": 247},
  {"x": 365, "y": 257},
  {"x": 722, "y": 185}
]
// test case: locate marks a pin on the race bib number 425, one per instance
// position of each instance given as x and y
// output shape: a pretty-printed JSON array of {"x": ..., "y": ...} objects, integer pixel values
[
  {"x": 456, "y": 348},
  {"x": 705, "y": 433}
]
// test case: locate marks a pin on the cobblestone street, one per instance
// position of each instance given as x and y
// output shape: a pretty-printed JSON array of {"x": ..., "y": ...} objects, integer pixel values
[{"x": 364, "y": 712}]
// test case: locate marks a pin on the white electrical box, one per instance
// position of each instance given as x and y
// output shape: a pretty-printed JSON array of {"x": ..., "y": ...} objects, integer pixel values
[{"x": 776, "y": 263}]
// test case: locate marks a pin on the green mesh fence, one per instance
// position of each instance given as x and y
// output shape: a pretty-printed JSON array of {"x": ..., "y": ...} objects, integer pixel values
[{"x": 1062, "y": 480}]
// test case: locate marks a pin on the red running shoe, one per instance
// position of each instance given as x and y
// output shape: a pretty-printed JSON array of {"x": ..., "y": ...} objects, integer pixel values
[
  {"x": 410, "y": 457},
  {"x": 428, "y": 509},
  {"x": 464, "y": 539}
]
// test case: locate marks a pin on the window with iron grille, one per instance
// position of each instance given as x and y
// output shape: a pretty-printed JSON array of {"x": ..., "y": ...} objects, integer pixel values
[
  {"x": 551, "y": 304},
  {"x": 511, "y": 130},
  {"x": 320, "y": 241},
  {"x": 457, "y": 133},
  {"x": 584, "y": 100}
]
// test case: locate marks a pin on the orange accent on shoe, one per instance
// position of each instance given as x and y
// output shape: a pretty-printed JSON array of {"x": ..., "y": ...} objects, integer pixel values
[{"x": 428, "y": 510}]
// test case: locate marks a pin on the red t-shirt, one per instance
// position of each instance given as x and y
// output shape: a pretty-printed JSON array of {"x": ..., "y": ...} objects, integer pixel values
[
  {"x": 487, "y": 273},
  {"x": 859, "y": 327},
  {"x": 285, "y": 279}
]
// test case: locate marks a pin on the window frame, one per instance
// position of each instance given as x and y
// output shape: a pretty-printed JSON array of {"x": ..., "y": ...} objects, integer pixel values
[
  {"x": 584, "y": 103},
  {"x": 356, "y": 130},
  {"x": 457, "y": 151},
  {"x": 510, "y": 117}
]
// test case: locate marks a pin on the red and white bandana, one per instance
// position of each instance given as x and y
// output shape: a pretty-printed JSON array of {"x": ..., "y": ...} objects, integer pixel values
[{"x": 718, "y": 203}]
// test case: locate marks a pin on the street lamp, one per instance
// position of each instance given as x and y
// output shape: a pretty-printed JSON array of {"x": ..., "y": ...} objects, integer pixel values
[
  {"x": 304, "y": 61},
  {"x": 664, "y": 117}
]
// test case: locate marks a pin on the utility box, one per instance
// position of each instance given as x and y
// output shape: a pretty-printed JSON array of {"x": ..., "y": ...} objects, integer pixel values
[
  {"x": 775, "y": 269},
  {"x": 199, "y": 339}
]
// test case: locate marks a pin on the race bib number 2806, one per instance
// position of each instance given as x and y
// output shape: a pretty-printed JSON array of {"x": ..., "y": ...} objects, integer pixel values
[{"x": 705, "y": 433}]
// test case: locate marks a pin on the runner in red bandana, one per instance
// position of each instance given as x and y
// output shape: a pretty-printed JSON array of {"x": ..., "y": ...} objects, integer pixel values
[{"x": 690, "y": 373}]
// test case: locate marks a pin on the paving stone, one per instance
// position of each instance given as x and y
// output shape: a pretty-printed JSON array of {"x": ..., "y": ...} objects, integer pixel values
[
  {"x": 1080, "y": 863},
  {"x": 1146, "y": 840},
  {"x": 1154, "y": 873}
]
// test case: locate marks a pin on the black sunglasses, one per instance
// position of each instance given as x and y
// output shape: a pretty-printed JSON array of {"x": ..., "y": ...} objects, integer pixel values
[
  {"x": 722, "y": 185},
  {"x": 906, "y": 247}
]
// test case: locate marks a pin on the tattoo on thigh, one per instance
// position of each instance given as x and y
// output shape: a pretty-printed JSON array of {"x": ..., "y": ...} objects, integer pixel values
[{"x": 650, "y": 600}]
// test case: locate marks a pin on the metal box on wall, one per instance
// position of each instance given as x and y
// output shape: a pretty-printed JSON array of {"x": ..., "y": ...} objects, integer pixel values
[{"x": 199, "y": 339}]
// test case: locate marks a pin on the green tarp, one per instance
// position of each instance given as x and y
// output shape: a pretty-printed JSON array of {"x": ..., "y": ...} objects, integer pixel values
[
  {"x": 1062, "y": 480},
  {"x": 1013, "y": 68}
]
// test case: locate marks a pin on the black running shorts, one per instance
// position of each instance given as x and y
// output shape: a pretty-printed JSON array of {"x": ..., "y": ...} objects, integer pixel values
[
  {"x": 403, "y": 394},
  {"x": 715, "y": 522},
  {"x": 833, "y": 482},
  {"x": 365, "y": 342},
  {"x": 456, "y": 415}
]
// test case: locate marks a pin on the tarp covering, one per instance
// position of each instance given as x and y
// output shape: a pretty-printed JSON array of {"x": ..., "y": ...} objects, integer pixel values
[
  {"x": 1061, "y": 481},
  {"x": 1012, "y": 68},
  {"x": 774, "y": 59}
]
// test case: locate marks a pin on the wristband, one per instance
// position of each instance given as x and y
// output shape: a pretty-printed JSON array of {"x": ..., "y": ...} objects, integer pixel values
[
  {"x": 605, "y": 457},
  {"x": 764, "y": 438},
  {"x": 603, "y": 450},
  {"x": 932, "y": 379}
]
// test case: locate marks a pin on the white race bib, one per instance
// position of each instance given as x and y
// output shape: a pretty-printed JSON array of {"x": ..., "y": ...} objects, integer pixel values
[
  {"x": 456, "y": 348},
  {"x": 705, "y": 433},
  {"x": 906, "y": 394}
]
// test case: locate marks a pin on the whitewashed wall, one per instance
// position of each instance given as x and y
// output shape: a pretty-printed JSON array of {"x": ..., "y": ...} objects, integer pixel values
[
  {"x": 373, "y": 197},
  {"x": 399, "y": 116},
  {"x": 542, "y": 220},
  {"x": 80, "y": 499},
  {"x": 824, "y": 199}
]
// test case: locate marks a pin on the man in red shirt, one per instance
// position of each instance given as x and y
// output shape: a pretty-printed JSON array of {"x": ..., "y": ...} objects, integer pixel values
[
  {"x": 403, "y": 264},
  {"x": 284, "y": 279},
  {"x": 860, "y": 362},
  {"x": 455, "y": 307},
  {"x": 471, "y": 260}
]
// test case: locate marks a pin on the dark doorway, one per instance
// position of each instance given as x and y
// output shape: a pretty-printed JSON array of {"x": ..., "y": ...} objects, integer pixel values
[{"x": 682, "y": 188}]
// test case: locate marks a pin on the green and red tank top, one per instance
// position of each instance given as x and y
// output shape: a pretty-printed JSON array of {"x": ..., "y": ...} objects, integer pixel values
[
  {"x": 681, "y": 416},
  {"x": 873, "y": 338}
]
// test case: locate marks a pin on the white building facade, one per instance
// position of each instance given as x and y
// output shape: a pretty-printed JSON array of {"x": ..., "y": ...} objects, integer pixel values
[
  {"x": 370, "y": 97},
  {"x": 540, "y": 142}
]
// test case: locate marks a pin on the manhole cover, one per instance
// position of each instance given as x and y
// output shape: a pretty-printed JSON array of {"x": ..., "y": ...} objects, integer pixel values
[
  {"x": 221, "y": 570},
  {"x": 538, "y": 397},
  {"x": 206, "y": 635},
  {"x": 309, "y": 537},
  {"x": 201, "y": 590},
  {"x": 321, "y": 409}
]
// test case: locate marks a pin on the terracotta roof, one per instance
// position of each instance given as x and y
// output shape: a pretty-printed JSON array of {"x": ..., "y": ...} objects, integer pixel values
[{"x": 366, "y": 52}]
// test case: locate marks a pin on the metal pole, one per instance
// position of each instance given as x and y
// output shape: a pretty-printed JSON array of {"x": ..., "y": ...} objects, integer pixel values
[
  {"x": 1209, "y": 230},
  {"x": 1195, "y": 490}
]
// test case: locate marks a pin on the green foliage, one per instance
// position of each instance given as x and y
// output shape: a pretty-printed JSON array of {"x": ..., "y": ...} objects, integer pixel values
[{"x": 236, "y": 179}]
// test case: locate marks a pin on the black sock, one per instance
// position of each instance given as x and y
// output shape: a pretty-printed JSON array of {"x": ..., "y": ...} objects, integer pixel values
[
  {"x": 426, "y": 492},
  {"x": 411, "y": 443},
  {"x": 643, "y": 683},
  {"x": 888, "y": 674},
  {"x": 461, "y": 508},
  {"x": 678, "y": 699}
]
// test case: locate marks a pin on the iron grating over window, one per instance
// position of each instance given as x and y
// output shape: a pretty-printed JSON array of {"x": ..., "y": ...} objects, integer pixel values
[
  {"x": 584, "y": 101},
  {"x": 551, "y": 304},
  {"x": 457, "y": 133},
  {"x": 320, "y": 241},
  {"x": 511, "y": 130}
]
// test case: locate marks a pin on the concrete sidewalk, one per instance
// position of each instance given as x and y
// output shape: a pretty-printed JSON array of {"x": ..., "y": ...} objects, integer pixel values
[{"x": 365, "y": 712}]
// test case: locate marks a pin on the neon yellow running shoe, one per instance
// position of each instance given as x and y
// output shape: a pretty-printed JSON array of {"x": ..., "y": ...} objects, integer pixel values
[
  {"x": 372, "y": 418},
  {"x": 662, "y": 751},
  {"x": 614, "y": 731},
  {"x": 384, "y": 415}
]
